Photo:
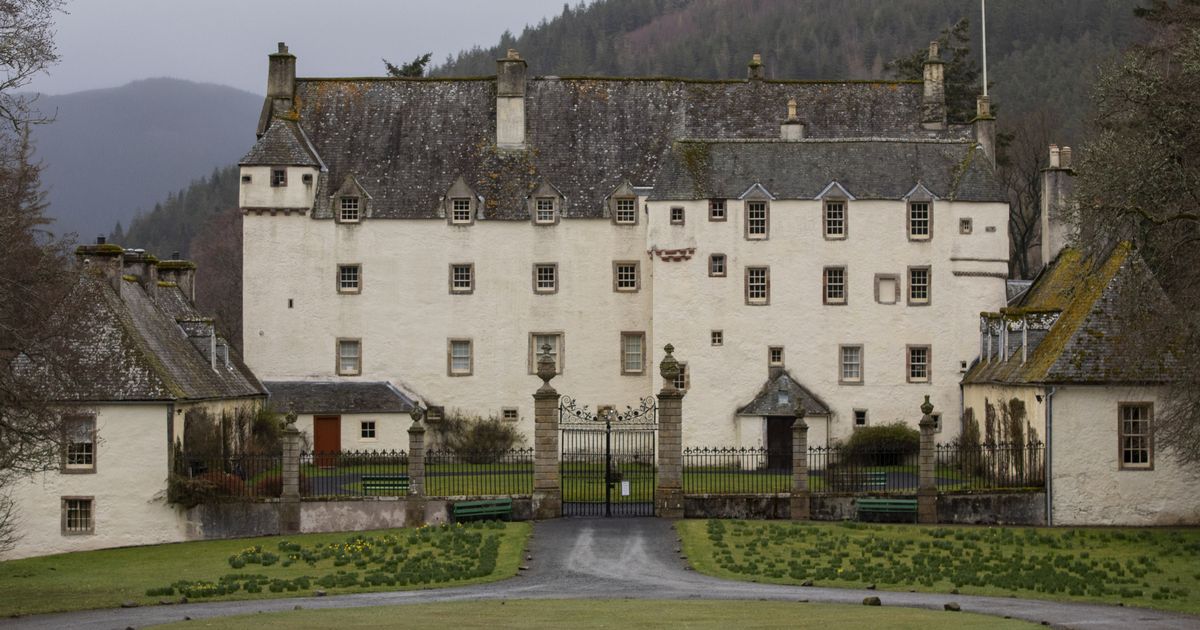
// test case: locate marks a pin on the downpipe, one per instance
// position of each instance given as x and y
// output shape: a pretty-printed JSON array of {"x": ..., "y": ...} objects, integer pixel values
[{"x": 1049, "y": 456}]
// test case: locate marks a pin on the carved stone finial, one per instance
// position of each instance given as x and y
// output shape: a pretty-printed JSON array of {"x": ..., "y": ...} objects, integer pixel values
[
  {"x": 669, "y": 368},
  {"x": 417, "y": 413},
  {"x": 545, "y": 366},
  {"x": 290, "y": 419},
  {"x": 800, "y": 412},
  {"x": 927, "y": 407}
]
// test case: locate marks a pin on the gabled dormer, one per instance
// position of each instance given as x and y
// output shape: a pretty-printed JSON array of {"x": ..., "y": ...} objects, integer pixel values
[
  {"x": 545, "y": 204},
  {"x": 623, "y": 204},
  {"x": 835, "y": 211},
  {"x": 351, "y": 203},
  {"x": 919, "y": 213},
  {"x": 460, "y": 205},
  {"x": 756, "y": 201}
]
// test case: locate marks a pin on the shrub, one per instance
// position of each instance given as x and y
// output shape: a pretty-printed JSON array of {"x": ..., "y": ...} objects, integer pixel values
[
  {"x": 476, "y": 439},
  {"x": 272, "y": 486},
  {"x": 883, "y": 445}
]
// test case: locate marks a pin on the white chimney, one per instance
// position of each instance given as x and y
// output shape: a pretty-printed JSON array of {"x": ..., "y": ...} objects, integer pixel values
[{"x": 510, "y": 101}]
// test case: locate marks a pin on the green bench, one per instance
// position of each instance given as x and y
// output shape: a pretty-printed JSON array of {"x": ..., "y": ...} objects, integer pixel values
[
  {"x": 482, "y": 509},
  {"x": 384, "y": 484},
  {"x": 861, "y": 482},
  {"x": 886, "y": 506}
]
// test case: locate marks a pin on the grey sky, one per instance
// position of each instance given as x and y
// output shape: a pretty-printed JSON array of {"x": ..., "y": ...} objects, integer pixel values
[{"x": 105, "y": 43}]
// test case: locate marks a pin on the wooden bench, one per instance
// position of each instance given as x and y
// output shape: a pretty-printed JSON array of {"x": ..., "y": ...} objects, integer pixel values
[
  {"x": 886, "y": 506},
  {"x": 861, "y": 482},
  {"x": 384, "y": 484},
  {"x": 482, "y": 509}
]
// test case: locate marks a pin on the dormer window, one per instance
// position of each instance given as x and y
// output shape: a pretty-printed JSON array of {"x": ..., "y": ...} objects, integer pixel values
[
  {"x": 348, "y": 210},
  {"x": 626, "y": 212},
  {"x": 460, "y": 210},
  {"x": 544, "y": 211},
  {"x": 920, "y": 220},
  {"x": 278, "y": 177},
  {"x": 757, "y": 219}
]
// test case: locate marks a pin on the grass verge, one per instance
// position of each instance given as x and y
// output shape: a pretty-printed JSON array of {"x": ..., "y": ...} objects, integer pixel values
[
  {"x": 1154, "y": 568},
  {"x": 588, "y": 614},
  {"x": 109, "y": 577}
]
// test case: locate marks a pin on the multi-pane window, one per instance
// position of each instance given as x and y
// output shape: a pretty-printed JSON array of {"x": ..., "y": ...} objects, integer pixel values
[
  {"x": 965, "y": 225},
  {"x": 349, "y": 278},
  {"x": 460, "y": 361},
  {"x": 717, "y": 337},
  {"x": 756, "y": 219},
  {"x": 625, "y": 276},
  {"x": 510, "y": 414},
  {"x": 545, "y": 278},
  {"x": 366, "y": 430},
  {"x": 348, "y": 209},
  {"x": 278, "y": 177},
  {"x": 860, "y": 417},
  {"x": 850, "y": 364},
  {"x": 349, "y": 359},
  {"x": 919, "y": 220},
  {"x": 918, "y": 364},
  {"x": 716, "y": 210},
  {"x": 462, "y": 278},
  {"x": 758, "y": 285},
  {"x": 1136, "y": 440},
  {"x": 626, "y": 211},
  {"x": 77, "y": 517},
  {"x": 543, "y": 210},
  {"x": 633, "y": 352},
  {"x": 676, "y": 216},
  {"x": 716, "y": 265},
  {"x": 684, "y": 379},
  {"x": 835, "y": 285},
  {"x": 460, "y": 210},
  {"x": 775, "y": 356},
  {"x": 80, "y": 443},
  {"x": 835, "y": 219},
  {"x": 918, "y": 285},
  {"x": 538, "y": 343}
]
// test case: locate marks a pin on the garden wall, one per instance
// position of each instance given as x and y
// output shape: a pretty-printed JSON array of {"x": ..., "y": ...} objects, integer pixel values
[
  {"x": 749, "y": 506},
  {"x": 995, "y": 508}
]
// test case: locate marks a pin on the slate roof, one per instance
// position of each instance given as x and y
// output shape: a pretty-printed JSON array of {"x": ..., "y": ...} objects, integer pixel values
[
  {"x": 337, "y": 397},
  {"x": 767, "y": 402},
  {"x": 867, "y": 169},
  {"x": 284, "y": 144},
  {"x": 1084, "y": 345},
  {"x": 407, "y": 140}
]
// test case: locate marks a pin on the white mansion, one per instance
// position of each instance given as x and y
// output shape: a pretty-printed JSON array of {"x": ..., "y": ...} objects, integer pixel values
[{"x": 825, "y": 242}]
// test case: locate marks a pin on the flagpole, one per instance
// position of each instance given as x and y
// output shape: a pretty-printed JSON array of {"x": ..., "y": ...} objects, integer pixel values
[{"x": 983, "y": 29}]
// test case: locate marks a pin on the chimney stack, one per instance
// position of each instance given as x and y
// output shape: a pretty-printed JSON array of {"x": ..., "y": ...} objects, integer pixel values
[
  {"x": 145, "y": 266},
  {"x": 103, "y": 259},
  {"x": 985, "y": 128},
  {"x": 1056, "y": 190},
  {"x": 792, "y": 128},
  {"x": 755, "y": 70},
  {"x": 182, "y": 273},
  {"x": 510, "y": 101},
  {"x": 281, "y": 78},
  {"x": 933, "y": 100}
]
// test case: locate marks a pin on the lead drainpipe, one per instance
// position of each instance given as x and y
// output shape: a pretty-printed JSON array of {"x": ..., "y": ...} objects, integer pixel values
[{"x": 1049, "y": 450}]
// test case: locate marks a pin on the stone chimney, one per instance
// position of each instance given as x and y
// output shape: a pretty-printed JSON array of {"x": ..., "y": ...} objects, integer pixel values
[
  {"x": 985, "y": 128},
  {"x": 755, "y": 70},
  {"x": 143, "y": 266},
  {"x": 181, "y": 272},
  {"x": 510, "y": 101},
  {"x": 1056, "y": 190},
  {"x": 933, "y": 100},
  {"x": 792, "y": 128},
  {"x": 103, "y": 259},
  {"x": 281, "y": 78}
]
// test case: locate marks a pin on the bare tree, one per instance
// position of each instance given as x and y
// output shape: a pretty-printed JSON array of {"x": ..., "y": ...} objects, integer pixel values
[
  {"x": 26, "y": 49},
  {"x": 1021, "y": 172},
  {"x": 217, "y": 251}
]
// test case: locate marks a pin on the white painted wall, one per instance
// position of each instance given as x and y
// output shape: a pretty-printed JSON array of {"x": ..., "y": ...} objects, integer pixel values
[
  {"x": 977, "y": 397},
  {"x": 391, "y": 431},
  {"x": 260, "y": 194}
]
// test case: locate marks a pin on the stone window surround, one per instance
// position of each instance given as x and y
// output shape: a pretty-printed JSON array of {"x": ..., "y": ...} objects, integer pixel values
[
  {"x": 617, "y": 202},
  {"x": 471, "y": 273},
  {"x": 453, "y": 201},
  {"x": 966, "y": 225},
  {"x": 678, "y": 215},
  {"x": 637, "y": 276},
  {"x": 80, "y": 469},
  {"x": 510, "y": 414},
  {"x": 865, "y": 416},
  {"x": 862, "y": 364},
  {"x": 343, "y": 207},
  {"x": 928, "y": 286},
  {"x": 724, "y": 265},
  {"x": 845, "y": 219},
  {"x": 908, "y": 210},
  {"x": 771, "y": 360},
  {"x": 541, "y": 291},
  {"x": 91, "y": 525},
  {"x": 825, "y": 299},
  {"x": 766, "y": 220},
  {"x": 894, "y": 277},
  {"x": 358, "y": 279},
  {"x": 337, "y": 356},
  {"x": 534, "y": 353},
  {"x": 450, "y": 342},
  {"x": 641, "y": 335},
  {"x": 554, "y": 210},
  {"x": 716, "y": 337},
  {"x": 908, "y": 377},
  {"x": 722, "y": 206},
  {"x": 1149, "y": 407},
  {"x": 763, "y": 301},
  {"x": 279, "y": 178},
  {"x": 365, "y": 427},
  {"x": 685, "y": 376}
]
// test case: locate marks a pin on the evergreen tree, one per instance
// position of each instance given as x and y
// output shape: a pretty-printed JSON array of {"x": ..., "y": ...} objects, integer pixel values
[
  {"x": 961, "y": 70},
  {"x": 414, "y": 68}
]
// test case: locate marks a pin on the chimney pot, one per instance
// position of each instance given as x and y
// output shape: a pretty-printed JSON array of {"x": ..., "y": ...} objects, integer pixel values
[
  {"x": 513, "y": 54},
  {"x": 100, "y": 240},
  {"x": 1054, "y": 156},
  {"x": 174, "y": 255},
  {"x": 283, "y": 49},
  {"x": 933, "y": 97},
  {"x": 791, "y": 109},
  {"x": 1065, "y": 157},
  {"x": 933, "y": 51},
  {"x": 754, "y": 70}
]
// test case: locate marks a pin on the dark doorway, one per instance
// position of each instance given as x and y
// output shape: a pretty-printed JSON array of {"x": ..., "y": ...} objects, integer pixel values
[{"x": 779, "y": 442}]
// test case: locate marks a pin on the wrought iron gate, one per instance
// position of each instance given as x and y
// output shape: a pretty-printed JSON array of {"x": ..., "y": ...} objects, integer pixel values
[{"x": 607, "y": 463}]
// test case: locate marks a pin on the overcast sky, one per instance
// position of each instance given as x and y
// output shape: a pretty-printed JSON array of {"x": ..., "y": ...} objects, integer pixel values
[{"x": 105, "y": 43}]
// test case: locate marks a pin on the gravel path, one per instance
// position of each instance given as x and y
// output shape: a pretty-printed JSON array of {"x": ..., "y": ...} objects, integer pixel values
[{"x": 615, "y": 559}]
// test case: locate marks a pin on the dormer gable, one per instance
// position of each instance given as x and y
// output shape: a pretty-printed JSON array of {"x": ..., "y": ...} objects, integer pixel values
[
  {"x": 350, "y": 203},
  {"x": 835, "y": 190},
  {"x": 545, "y": 204},
  {"x": 622, "y": 204},
  {"x": 920, "y": 193},
  {"x": 460, "y": 205},
  {"x": 756, "y": 191}
]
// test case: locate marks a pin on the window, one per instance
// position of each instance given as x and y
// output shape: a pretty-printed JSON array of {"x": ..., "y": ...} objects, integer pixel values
[
  {"x": 850, "y": 365},
  {"x": 860, "y": 418},
  {"x": 887, "y": 288},
  {"x": 717, "y": 337},
  {"x": 543, "y": 212},
  {"x": 459, "y": 360},
  {"x": 366, "y": 430},
  {"x": 937, "y": 421},
  {"x": 633, "y": 352},
  {"x": 349, "y": 279},
  {"x": 966, "y": 225},
  {"x": 349, "y": 359},
  {"x": 307, "y": 179},
  {"x": 348, "y": 210},
  {"x": 626, "y": 213},
  {"x": 918, "y": 364},
  {"x": 716, "y": 265},
  {"x": 462, "y": 277},
  {"x": 835, "y": 285},
  {"x": 278, "y": 177},
  {"x": 716, "y": 210},
  {"x": 918, "y": 286},
  {"x": 835, "y": 219},
  {"x": 676, "y": 216},
  {"x": 757, "y": 220},
  {"x": 460, "y": 210},
  {"x": 510, "y": 414},
  {"x": 920, "y": 221},
  {"x": 539, "y": 339},
  {"x": 246, "y": 179},
  {"x": 1136, "y": 438},
  {"x": 625, "y": 275},
  {"x": 775, "y": 356},
  {"x": 758, "y": 285},
  {"x": 78, "y": 516},
  {"x": 545, "y": 278},
  {"x": 683, "y": 380},
  {"x": 80, "y": 444}
]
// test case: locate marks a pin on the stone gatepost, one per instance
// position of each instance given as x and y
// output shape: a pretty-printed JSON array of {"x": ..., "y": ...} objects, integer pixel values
[
  {"x": 668, "y": 496},
  {"x": 289, "y": 496},
  {"x": 414, "y": 507},
  {"x": 547, "y": 488},
  {"x": 927, "y": 485},
  {"x": 800, "y": 493}
]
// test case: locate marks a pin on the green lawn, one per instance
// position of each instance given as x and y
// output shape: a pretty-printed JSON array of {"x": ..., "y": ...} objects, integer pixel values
[
  {"x": 591, "y": 614},
  {"x": 432, "y": 556},
  {"x": 1155, "y": 568}
]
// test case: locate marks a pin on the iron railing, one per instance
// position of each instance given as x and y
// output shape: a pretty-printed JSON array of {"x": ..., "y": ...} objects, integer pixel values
[
  {"x": 736, "y": 471},
  {"x": 354, "y": 474},
  {"x": 457, "y": 473},
  {"x": 872, "y": 470},
  {"x": 236, "y": 476},
  {"x": 990, "y": 466}
]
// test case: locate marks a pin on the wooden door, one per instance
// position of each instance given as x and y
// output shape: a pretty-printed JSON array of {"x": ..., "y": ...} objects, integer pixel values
[
  {"x": 779, "y": 442},
  {"x": 327, "y": 439}
]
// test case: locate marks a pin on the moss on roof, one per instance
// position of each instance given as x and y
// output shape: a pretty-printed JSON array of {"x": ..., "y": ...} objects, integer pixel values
[
  {"x": 176, "y": 264},
  {"x": 103, "y": 248}
]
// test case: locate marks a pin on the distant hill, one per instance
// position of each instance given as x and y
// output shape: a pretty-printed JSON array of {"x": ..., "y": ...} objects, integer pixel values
[{"x": 114, "y": 151}]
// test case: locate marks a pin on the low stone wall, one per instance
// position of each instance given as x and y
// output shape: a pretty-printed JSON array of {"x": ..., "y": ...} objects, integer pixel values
[
  {"x": 993, "y": 508},
  {"x": 747, "y": 506},
  {"x": 241, "y": 519}
]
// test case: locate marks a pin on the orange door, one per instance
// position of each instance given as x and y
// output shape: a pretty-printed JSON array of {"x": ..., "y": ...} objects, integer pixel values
[{"x": 327, "y": 439}]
